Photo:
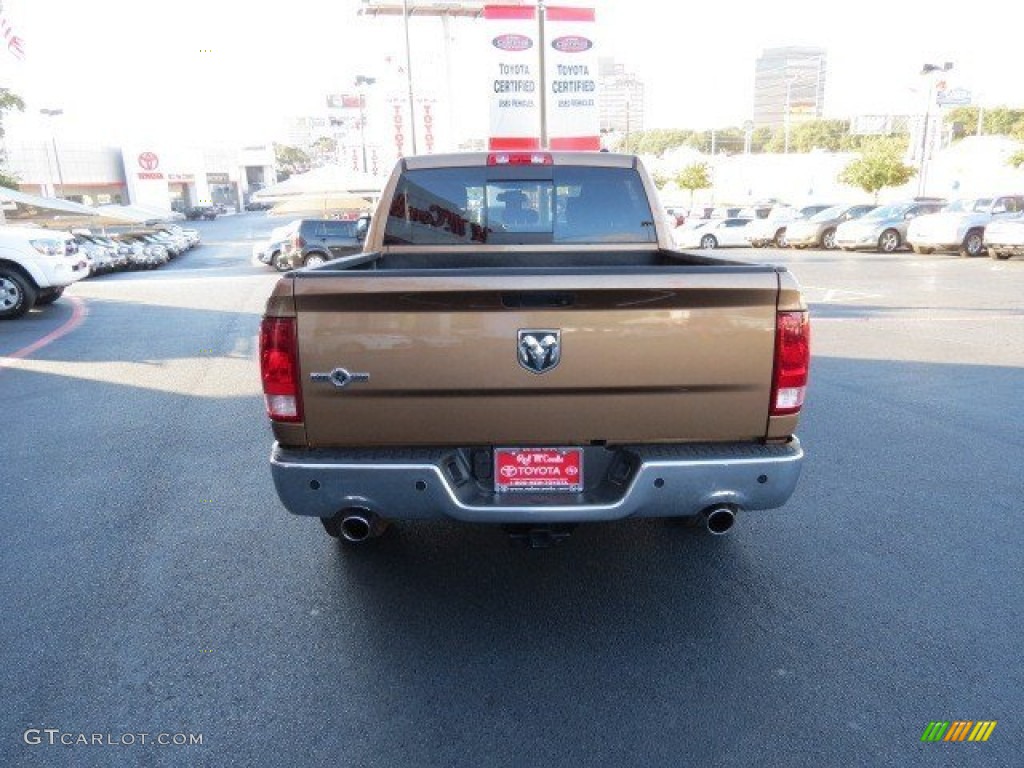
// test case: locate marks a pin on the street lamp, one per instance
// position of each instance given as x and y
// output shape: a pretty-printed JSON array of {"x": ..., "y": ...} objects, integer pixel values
[
  {"x": 789, "y": 92},
  {"x": 408, "y": 74},
  {"x": 927, "y": 69},
  {"x": 363, "y": 80},
  {"x": 56, "y": 156}
]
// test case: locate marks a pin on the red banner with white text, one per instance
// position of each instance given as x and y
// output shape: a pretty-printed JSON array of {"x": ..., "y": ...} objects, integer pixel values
[
  {"x": 571, "y": 82},
  {"x": 514, "y": 77}
]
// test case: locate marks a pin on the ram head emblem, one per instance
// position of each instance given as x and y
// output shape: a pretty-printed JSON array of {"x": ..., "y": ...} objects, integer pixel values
[{"x": 540, "y": 351}]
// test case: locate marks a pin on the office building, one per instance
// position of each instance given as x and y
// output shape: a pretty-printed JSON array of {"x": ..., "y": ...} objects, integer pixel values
[
  {"x": 792, "y": 77},
  {"x": 620, "y": 100}
]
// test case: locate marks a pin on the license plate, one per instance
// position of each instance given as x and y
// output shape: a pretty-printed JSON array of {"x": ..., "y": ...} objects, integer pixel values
[{"x": 538, "y": 469}]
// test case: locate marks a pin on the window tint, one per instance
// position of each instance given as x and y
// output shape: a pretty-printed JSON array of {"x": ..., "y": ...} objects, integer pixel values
[
  {"x": 340, "y": 228},
  {"x": 564, "y": 204}
]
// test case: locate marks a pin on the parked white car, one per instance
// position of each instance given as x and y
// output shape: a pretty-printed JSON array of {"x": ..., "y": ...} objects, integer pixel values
[
  {"x": 713, "y": 233},
  {"x": 1005, "y": 237},
  {"x": 961, "y": 225},
  {"x": 36, "y": 265}
]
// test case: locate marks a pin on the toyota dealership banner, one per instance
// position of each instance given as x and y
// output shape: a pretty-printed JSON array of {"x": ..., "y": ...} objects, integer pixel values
[
  {"x": 571, "y": 79},
  {"x": 515, "y": 77},
  {"x": 566, "y": 68}
]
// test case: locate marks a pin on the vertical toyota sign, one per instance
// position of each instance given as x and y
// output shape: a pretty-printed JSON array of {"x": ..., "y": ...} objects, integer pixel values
[
  {"x": 571, "y": 79},
  {"x": 515, "y": 80}
]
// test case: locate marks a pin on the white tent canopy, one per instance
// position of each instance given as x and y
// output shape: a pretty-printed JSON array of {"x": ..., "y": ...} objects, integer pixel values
[
  {"x": 163, "y": 214},
  {"x": 23, "y": 207},
  {"x": 135, "y": 214},
  {"x": 328, "y": 180},
  {"x": 322, "y": 205}
]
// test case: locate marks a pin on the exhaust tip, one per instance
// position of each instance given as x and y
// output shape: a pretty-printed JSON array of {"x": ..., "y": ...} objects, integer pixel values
[
  {"x": 719, "y": 520},
  {"x": 355, "y": 528},
  {"x": 358, "y": 525}
]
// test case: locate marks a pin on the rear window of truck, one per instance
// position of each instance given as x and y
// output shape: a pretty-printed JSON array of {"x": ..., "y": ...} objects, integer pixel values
[{"x": 509, "y": 206}]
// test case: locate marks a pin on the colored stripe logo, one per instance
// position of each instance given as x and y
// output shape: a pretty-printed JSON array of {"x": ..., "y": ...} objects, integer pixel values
[{"x": 959, "y": 730}]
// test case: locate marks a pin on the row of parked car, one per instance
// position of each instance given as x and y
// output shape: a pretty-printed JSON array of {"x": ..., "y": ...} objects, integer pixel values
[
  {"x": 310, "y": 242},
  {"x": 925, "y": 225},
  {"x": 136, "y": 249},
  {"x": 37, "y": 264}
]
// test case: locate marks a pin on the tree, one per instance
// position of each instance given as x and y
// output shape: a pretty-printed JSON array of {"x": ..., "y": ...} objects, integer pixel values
[
  {"x": 999, "y": 121},
  {"x": 660, "y": 179},
  {"x": 761, "y": 137},
  {"x": 881, "y": 165},
  {"x": 1017, "y": 159},
  {"x": 694, "y": 177},
  {"x": 654, "y": 142},
  {"x": 818, "y": 134},
  {"x": 8, "y": 101},
  {"x": 289, "y": 160},
  {"x": 325, "y": 145}
]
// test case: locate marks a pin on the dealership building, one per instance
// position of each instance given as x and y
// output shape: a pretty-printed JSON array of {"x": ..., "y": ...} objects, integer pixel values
[{"x": 156, "y": 175}]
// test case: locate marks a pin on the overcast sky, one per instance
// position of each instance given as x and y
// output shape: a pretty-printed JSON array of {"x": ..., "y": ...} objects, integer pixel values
[{"x": 232, "y": 69}]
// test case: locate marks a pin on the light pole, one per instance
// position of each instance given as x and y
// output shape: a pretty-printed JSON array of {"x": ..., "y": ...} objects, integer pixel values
[
  {"x": 927, "y": 69},
  {"x": 785, "y": 122},
  {"x": 361, "y": 82},
  {"x": 56, "y": 156},
  {"x": 408, "y": 75},
  {"x": 627, "y": 125}
]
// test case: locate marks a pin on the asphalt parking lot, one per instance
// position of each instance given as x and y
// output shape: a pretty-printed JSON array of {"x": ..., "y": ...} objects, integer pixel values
[{"x": 152, "y": 583}]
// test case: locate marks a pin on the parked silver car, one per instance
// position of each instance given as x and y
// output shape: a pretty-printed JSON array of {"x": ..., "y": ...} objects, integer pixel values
[
  {"x": 771, "y": 230},
  {"x": 884, "y": 229},
  {"x": 819, "y": 231}
]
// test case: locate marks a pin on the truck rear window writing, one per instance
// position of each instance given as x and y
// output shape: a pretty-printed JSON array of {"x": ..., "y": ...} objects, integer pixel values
[{"x": 470, "y": 206}]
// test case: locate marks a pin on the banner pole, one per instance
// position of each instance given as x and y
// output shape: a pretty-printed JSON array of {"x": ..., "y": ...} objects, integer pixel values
[
  {"x": 408, "y": 75},
  {"x": 541, "y": 18}
]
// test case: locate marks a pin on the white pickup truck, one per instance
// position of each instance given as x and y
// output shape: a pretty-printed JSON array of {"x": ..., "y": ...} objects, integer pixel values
[{"x": 36, "y": 265}]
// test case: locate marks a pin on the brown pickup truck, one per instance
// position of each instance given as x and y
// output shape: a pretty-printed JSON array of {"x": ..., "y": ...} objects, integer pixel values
[{"x": 519, "y": 342}]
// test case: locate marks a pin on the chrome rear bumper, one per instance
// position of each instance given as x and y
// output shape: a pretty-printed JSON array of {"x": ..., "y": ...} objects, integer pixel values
[{"x": 627, "y": 481}]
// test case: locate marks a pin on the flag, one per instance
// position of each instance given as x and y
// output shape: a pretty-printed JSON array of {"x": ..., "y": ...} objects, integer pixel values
[{"x": 15, "y": 44}]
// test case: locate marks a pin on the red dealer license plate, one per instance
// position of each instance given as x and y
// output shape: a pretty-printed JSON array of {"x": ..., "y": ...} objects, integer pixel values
[{"x": 538, "y": 469}]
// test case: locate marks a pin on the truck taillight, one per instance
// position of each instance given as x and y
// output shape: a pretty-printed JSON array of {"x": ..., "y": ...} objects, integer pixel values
[
  {"x": 279, "y": 368},
  {"x": 792, "y": 360}
]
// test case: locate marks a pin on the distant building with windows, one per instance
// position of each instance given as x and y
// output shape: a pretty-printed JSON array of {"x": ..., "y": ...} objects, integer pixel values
[
  {"x": 620, "y": 101},
  {"x": 302, "y": 132},
  {"x": 793, "y": 76},
  {"x": 156, "y": 174}
]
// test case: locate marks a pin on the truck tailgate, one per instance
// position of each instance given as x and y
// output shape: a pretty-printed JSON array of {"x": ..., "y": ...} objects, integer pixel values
[{"x": 658, "y": 355}]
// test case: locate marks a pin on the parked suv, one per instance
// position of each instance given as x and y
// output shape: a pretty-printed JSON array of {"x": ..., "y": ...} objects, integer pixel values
[
  {"x": 36, "y": 265},
  {"x": 197, "y": 212},
  {"x": 961, "y": 226},
  {"x": 316, "y": 241}
]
